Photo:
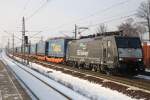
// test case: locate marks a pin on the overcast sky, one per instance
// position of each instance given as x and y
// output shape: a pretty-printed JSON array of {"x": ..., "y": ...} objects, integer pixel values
[{"x": 58, "y": 17}]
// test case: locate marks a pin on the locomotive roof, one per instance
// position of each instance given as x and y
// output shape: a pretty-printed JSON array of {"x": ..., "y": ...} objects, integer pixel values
[
  {"x": 114, "y": 33},
  {"x": 101, "y": 37}
]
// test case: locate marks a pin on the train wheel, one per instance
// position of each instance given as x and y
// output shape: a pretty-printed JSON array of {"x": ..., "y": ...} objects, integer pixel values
[
  {"x": 111, "y": 71},
  {"x": 102, "y": 69},
  {"x": 81, "y": 66},
  {"x": 90, "y": 67},
  {"x": 86, "y": 66},
  {"x": 94, "y": 68},
  {"x": 108, "y": 71},
  {"x": 72, "y": 64},
  {"x": 75, "y": 64}
]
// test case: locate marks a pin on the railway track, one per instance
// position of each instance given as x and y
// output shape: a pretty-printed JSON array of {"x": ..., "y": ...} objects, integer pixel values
[
  {"x": 135, "y": 87},
  {"x": 140, "y": 83},
  {"x": 63, "y": 95}
]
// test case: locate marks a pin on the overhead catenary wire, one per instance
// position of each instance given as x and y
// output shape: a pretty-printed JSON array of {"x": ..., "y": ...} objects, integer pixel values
[
  {"x": 122, "y": 13},
  {"x": 24, "y": 8},
  {"x": 111, "y": 20},
  {"x": 81, "y": 19},
  {"x": 106, "y": 9},
  {"x": 19, "y": 38},
  {"x": 26, "y": 4},
  {"x": 104, "y": 22},
  {"x": 9, "y": 33},
  {"x": 114, "y": 19},
  {"x": 35, "y": 34},
  {"x": 108, "y": 21},
  {"x": 38, "y": 9},
  {"x": 35, "y": 12},
  {"x": 93, "y": 14}
]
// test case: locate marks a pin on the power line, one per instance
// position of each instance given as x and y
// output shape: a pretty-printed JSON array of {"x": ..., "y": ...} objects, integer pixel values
[
  {"x": 91, "y": 15},
  {"x": 26, "y": 4},
  {"x": 10, "y": 33},
  {"x": 110, "y": 20},
  {"x": 14, "y": 35},
  {"x": 122, "y": 13},
  {"x": 114, "y": 19},
  {"x": 106, "y": 9},
  {"x": 35, "y": 34},
  {"x": 24, "y": 8},
  {"x": 38, "y": 9}
]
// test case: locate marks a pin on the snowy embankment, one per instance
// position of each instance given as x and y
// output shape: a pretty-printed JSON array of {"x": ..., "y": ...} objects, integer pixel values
[
  {"x": 91, "y": 90},
  {"x": 143, "y": 77},
  {"x": 146, "y": 77},
  {"x": 147, "y": 70},
  {"x": 42, "y": 91}
]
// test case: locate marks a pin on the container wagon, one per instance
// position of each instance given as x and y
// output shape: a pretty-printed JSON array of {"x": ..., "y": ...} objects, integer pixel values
[
  {"x": 57, "y": 50},
  {"x": 19, "y": 50},
  {"x": 41, "y": 50},
  {"x": 27, "y": 50},
  {"x": 33, "y": 50}
]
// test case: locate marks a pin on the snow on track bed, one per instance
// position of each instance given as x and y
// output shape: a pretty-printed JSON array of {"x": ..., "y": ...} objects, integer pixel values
[
  {"x": 67, "y": 79},
  {"x": 143, "y": 77},
  {"x": 147, "y": 70},
  {"x": 92, "y": 90},
  {"x": 40, "y": 85}
]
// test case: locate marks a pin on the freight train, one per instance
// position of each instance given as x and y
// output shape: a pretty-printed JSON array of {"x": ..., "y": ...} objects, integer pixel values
[{"x": 110, "y": 54}]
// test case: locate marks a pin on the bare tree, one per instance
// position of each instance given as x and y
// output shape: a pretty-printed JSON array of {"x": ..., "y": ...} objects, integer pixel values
[
  {"x": 101, "y": 29},
  {"x": 140, "y": 29},
  {"x": 144, "y": 13},
  {"x": 130, "y": 28}
]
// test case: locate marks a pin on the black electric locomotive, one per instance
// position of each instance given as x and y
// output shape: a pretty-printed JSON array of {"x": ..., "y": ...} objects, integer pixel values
[{"x": 109, "y": 54}]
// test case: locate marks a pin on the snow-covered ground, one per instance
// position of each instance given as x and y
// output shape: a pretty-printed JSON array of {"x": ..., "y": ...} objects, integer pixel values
[
  {"x": 147, "y": 70},
  {"x": 40, "y": 89},
  {"x": 143, "y": 77},
  {"x": 91, "y": 90}
]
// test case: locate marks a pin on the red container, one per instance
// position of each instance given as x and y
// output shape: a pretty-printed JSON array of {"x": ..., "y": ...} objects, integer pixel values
[{"x": 146, "y": 51}]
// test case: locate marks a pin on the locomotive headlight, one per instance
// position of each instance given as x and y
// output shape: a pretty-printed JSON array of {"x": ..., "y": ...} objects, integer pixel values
[
  {"x": 120, "y": 59},
  {"x": 139, "y": 59}
]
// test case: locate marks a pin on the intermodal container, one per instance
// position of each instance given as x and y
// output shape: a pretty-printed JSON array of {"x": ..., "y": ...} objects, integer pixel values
[
  {"x": 42, "y": 48},
  {"x": 146, "y": 51},
  {"x": 19, "y": 49},
  {"x": 57, "y": 47},
  {"x": 27, "y": 49},
  {"x": 33, "y": 49}
]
